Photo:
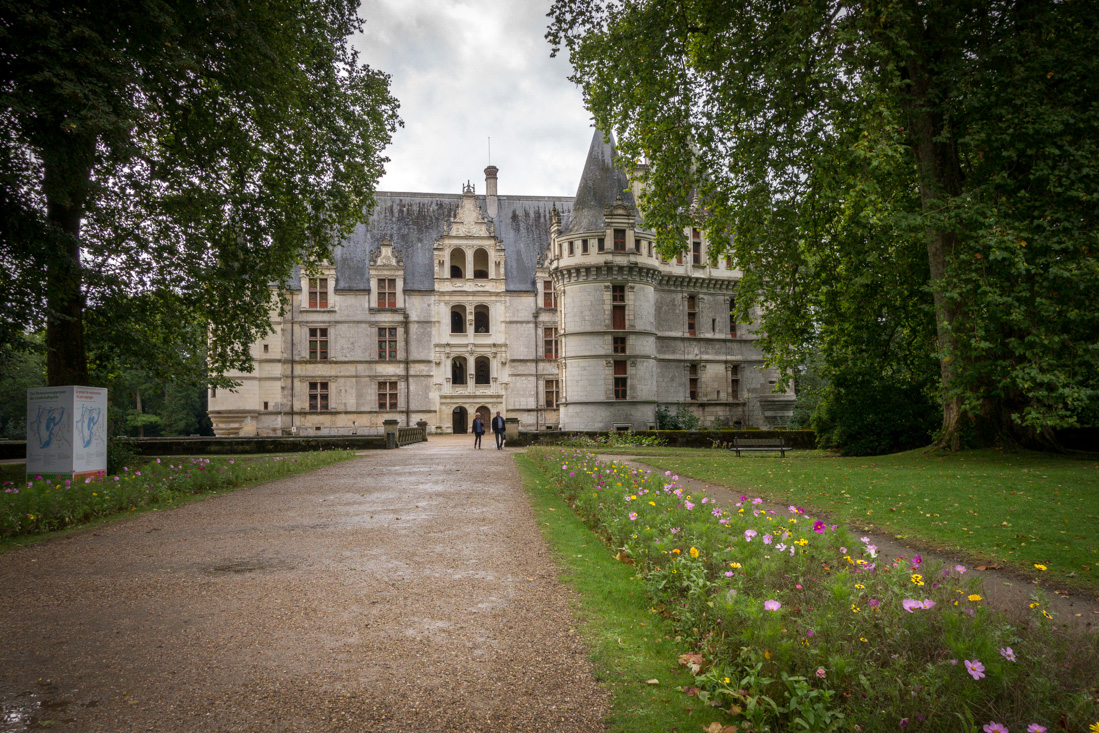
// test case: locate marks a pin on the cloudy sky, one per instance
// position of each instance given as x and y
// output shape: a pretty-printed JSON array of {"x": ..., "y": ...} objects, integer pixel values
[{"x": 468, "y": 70}]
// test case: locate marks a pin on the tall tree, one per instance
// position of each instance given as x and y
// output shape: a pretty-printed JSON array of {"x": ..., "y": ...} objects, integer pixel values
[
  {"x": 198, "y": 148},
  {"x": 821, "y": 138}
]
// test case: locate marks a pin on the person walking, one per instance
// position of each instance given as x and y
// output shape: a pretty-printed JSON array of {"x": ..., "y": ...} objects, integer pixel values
[
  {"x": 478, "y": 431},
  {"x": 498, "y": 429}
]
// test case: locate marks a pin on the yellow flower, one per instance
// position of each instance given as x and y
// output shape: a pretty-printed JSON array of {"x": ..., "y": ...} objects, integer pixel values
[
  {"x": 860, "y": 562},
  {"x": 694, "y": 552},
  {"x": 652, "y": 503},
  {"x": 727, "y": 680},
  {"x": 860, "y": 586},
  {"x": 849, "y": 560},
  {"x": 1046, "y": 614},
  {"x": 917, "y": 578},
  {"x": 633, "y": 497},
  {"x": 803, "y": 542},
  {"x": 1043, "y": 567},
  {"x": 974, "y": 598},
  {"x": 676, "y": 550},
  {"x": 793, "y": 521},
  {"x": 734, "y": 565},
  {"x": 854, "y": 608},
  {"x": 862, "y": 638},
  {"x": 1034, "y": 605},
  {"x": 1094, "y": 727}
]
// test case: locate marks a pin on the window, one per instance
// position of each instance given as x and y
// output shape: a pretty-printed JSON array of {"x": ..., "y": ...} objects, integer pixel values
[
  {"x": 728, "y": 262},
  {"x": 618, "y": 293},
  {"x": 696, "y": 247},
  {"x": 387, "y": 396},
  {"x": 618, "y": 317},
  {"x": 599, "y": 245},
  {"x": 549, "y": 343},
  {"x": 650, "y": 249},
  {"x": 734, "y": 382},
  {"x": 264, "y": 405},
  {"x": 636, "y": 244},
  {"x": 619, "y": 343},
  {"x": 571, "y": 250},
  {"x": 458, "y": 370},
  {"x": 619, "y": 240},
  {"x": 265, "y": 348},
  {"x": 457, "y": 264},
  {"x": 318, "y": 344},
  {"x": 732, "y": 318},
  {"x": 480, "y": 264},
  {"x": 692, "y": 314},
  {"x": 620, "y": 379},
  {"x": 318, "y": 396},
  {"x": 549, "y": 295},
  {"x": 553, "y": 394},
  {"x": 213, "y": 392},
  {"x": 679, "y": 258},
  {"x": 481, "y": 371},
  {"x": 458, "y": 319},
  {"x": 583, "y": 246},
  {"x": 387, "y": 292},
  {"x": 387, "y": 344},
  {"x": 318, "y": 292},
  {"x": 692, "y": 383},
  {"x": 481, "y": 323}
]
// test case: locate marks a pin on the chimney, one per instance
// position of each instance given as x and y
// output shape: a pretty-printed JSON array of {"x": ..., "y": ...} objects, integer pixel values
[{"x": 490, "y": 191}]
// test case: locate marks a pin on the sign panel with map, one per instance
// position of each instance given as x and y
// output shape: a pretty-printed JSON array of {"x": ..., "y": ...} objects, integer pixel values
[{"x": 67, "y": 431}]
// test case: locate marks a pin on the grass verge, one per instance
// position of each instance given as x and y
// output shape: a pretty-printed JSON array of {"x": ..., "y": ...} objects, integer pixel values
[
  {"x": 32, "y": 510},
  {"x": 1017, "y": 509},
  {"x": 629, "y": 643}
]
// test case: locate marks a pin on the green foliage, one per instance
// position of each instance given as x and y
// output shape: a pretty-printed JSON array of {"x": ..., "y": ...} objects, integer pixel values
[
  {"x": 190, "y": 151},
  {"x": 784, "y": 613},
  {"x": 613, "y": 439},
  {"x": 48, "y": 505},
  {"x": 903, "y": 183},
  {"x": 22, "y": 370},
  {"x": 683, "y": 419},
  {"x": 863, "y": 414}
]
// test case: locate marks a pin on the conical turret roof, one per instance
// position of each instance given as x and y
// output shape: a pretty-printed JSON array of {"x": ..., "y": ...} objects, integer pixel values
[{"x": 601, "y": 185}]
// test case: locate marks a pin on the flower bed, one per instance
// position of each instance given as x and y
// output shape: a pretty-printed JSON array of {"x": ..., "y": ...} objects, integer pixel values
[
  {"x": 795, "y": 625},
  {"x": 37, "y": 506}
]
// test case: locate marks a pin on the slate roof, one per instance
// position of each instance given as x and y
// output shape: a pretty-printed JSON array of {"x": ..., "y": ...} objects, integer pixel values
[
  {"x": 600, "y": 186},
  {"x": 413, "y": 221}
]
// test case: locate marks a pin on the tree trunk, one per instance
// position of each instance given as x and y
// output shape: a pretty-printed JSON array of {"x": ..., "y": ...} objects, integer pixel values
[
  {"x": 67, "y": 168},
  {"x": 940, "y": 178},
  {"x": 137, "y": 401}
]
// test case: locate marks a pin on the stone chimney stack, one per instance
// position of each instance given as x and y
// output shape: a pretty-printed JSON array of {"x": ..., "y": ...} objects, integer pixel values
[{"x": 490, "y": 191}]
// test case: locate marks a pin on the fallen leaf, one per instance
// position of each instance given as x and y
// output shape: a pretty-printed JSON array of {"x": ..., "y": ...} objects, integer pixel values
[
  {"x": 652, "y": 682},
  {"x": 553, "y": 510},
  {"x": 624, "y": 558},
  {"x": 691, "y": 691}
]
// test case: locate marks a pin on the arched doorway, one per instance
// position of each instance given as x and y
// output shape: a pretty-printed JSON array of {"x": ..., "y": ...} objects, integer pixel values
[
  {"x": 461, "y": 421},
  {"x": 486, "y": 417}
]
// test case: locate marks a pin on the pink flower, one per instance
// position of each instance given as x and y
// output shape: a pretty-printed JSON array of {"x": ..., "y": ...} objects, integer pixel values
[
  {"x": 767, "y": 539},
  {"x": 749, "y": 534},
  {"x": 728, "y": 573},
  {"x": 821, "y": 673},
  {"x": 792, "y": 509},
  {"x": 960, "y": 569},
  {"x": 1008, "y": 654},
  {"x": 904, "y": 723},
  {"x": 772, "y": 605},
  {"x": 928, "y": 604},
  {"x": 975, "y": 668},
  {"x": 688, "y": 505},
  {"x": 757, "y": 500},
  {"x": 1035, "y": 728},
  {"x": 994, "y": 728},
  {"x": 911, "y": 605},
  {"x": 633, "y": 516}
]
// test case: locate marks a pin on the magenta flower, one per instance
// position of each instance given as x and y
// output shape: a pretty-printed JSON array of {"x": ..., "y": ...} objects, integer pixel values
[
  {"x": 818, "y": 527},
  {"x": 1008, "y": 654},
  {"x": 904, "y": 723},
  {"x": 994, "y": 728},
  {"x": 975, "y": 668},
  {"x": 772, "y": 605}
]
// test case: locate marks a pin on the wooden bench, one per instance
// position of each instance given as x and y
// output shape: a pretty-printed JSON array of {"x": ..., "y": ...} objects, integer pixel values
[{"x": 755, "y": 444}]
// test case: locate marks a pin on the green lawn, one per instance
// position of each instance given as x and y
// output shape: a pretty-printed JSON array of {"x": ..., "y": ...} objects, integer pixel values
[
  {"x": 630, "y": 645},
  {"x": 1018, "y": 509}
]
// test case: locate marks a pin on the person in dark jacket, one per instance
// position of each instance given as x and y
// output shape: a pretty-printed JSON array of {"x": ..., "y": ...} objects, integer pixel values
[
  {"x": 478, "y": 431},
  {"x": 498, "y": 429}
]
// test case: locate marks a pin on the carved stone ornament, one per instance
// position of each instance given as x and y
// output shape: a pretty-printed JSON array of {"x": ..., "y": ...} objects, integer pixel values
[
  {"x": 385, "y": 256},
  {"x": 469, "y": 220}
]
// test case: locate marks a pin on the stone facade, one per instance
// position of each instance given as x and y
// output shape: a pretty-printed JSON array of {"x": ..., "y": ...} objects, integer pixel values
[{"x": 555, "y": 311}]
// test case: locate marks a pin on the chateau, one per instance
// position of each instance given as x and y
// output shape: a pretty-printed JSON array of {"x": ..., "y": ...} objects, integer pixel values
[{"x": 552, "y": 310}]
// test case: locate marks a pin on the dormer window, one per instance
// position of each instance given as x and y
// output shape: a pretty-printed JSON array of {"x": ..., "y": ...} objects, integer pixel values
[
  {"x": 480, "y": 264},
  {"x": 457, "y": 264},
  {"x": 619, "y": 240},
  {"x": 696, "y": 247},
  {"x": 387, "y": 292},
  {"x": 318, "y": 292}
]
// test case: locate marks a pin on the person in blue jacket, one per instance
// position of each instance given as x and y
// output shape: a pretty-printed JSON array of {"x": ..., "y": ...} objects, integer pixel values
[
  {"x": 478, "y": 431},
  {"x": 498, "y": 429}
]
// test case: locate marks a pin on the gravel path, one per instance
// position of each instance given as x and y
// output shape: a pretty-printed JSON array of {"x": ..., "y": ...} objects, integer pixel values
[{"x": 405, "y": 590}]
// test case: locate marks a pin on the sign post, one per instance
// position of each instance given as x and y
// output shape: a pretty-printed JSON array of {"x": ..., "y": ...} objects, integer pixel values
[{"x": 67, "y": 431}]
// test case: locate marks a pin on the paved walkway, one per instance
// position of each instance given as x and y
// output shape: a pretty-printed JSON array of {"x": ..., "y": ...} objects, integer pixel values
[{"x": 405, "y": 590}]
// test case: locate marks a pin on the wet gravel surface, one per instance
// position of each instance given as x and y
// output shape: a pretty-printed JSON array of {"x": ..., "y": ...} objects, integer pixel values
[{"x": 404, "y": 590}]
